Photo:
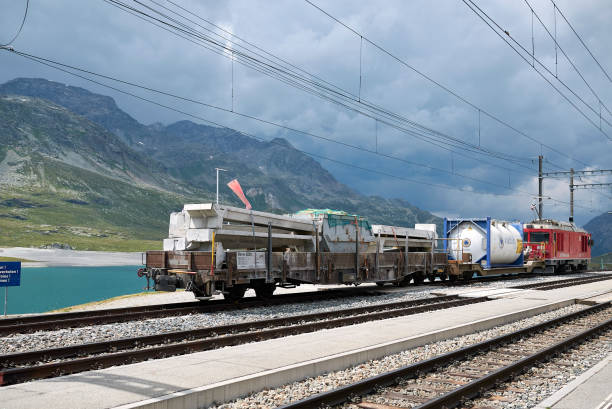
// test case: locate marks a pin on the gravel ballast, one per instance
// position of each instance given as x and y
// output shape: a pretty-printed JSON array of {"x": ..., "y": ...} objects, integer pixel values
[
  {"x": 298, "y": 390},
  {"x": 72, "y": 336},
  {"x": 97, "y": 333},
  {"x": 544, "y": 380}
]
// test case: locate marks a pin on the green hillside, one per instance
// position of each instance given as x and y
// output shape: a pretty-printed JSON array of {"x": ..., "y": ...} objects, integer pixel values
[
  {"x": 77, "y": 170},
  {"x": 84, "y": 210}
]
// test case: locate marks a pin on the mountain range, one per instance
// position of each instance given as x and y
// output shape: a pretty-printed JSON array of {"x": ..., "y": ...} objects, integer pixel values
[
  {"x": 600, "y": 228},
  {"x": 75, "y": 169}
]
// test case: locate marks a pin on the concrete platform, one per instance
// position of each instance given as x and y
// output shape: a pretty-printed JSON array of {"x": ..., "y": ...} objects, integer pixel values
[
  {"x": 198, "y": 380},
  {"x": 591, "y": 390}
]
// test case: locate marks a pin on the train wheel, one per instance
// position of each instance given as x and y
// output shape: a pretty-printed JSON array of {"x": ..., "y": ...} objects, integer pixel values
[
  {"x": 419, "y": 278},
  {"x": 204, "y": 291},
  {"x": 452, "y": 278},
  {"x": 443, "y": 276},
  {"x": 431, "y": 277},
  {"x": 265, "y": 291},
  {"x": 234, "y": 293},
  {"x": 380, "y": 283},
  {"x": 404, "y": 282},
  {"x": 467, "y": 275}
]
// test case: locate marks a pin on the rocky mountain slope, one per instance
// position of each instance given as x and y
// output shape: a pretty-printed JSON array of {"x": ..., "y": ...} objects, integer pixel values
[
  {"x": 70, "y": 157},
  {"x": 600, "y": 228}
]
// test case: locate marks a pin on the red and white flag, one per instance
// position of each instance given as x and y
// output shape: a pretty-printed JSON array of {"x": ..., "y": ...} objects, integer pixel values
[{"x": 235, "y": 186}]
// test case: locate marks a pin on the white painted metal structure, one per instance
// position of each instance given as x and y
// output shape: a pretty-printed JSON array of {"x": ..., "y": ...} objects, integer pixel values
[
  {"x": 423, "y": 235},
  {"x": 506, "y": 241},
  {"x": 234, "y": 228},
  {"x": 239, "y": 229}
]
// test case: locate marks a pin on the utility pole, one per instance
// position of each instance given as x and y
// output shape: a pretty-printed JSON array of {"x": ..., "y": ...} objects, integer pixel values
[
  {"x": 540, "y": 180},
  {"x": 572, "y": 186},
  {"x": 571, "y": 218},
  {"x": 222, "y": 170}
]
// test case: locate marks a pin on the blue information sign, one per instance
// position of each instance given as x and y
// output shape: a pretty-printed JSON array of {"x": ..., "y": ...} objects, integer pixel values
[{"x": 10, "y": 274}]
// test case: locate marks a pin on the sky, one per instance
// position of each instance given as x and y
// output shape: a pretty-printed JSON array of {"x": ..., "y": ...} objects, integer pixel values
[{"x": 444, "y": 40}]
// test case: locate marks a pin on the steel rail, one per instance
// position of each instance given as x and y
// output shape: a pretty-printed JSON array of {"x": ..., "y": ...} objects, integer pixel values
[
  {"x": 181, "y": 343},
  {"x": 20, "y": 358},
  {"x": 475, "y": 388},
  {"x": 367, "y": 386},
  {"x": 54, "y": 321},
  {"x": 515, "y": 276},
  {"x": 551, "y": 285},
  {"x": 46, "y": 322}
]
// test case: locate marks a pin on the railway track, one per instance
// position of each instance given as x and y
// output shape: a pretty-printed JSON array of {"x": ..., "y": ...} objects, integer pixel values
[
  {"x": 54, "y": 321},
  {"x": 564, "y": 283},
  {"x": 448, "y": 380},
  {"x": 24, "y": 366},
  {"x": 510, "y": 277}
]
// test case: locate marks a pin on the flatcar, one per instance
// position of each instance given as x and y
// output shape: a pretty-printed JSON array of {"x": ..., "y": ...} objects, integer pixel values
[{"x": 213, "y": 248}]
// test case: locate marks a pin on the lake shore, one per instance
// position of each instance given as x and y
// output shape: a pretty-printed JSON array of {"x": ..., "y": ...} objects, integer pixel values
[{"x": 70, "y": 258}]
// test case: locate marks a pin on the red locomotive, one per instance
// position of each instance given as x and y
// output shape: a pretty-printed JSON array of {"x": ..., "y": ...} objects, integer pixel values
[{"x": 563, "y": 245}]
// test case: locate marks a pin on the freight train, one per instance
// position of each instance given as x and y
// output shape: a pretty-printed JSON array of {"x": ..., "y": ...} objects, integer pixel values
[{"x": 214, "y": 248}]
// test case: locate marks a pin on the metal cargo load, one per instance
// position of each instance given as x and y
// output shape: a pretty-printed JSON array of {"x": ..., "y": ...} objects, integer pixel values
[
  {"x": 338, "y": 230},
  {"x": 488, "y": 242},
  {"x": 235, "y": 228},
  {"x": 216, "y": 248}
]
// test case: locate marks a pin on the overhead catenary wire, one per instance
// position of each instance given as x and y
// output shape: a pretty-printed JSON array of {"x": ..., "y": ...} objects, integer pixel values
[
  {"x": 582, "y": 41},
  {"x": 440, "y": 85},
  {"x": 491, "y": 23},
  {"x": 371, "y": 109},
  {"x": 217, "y": 124},
  {"x": 352, "y": 165},
  {"x": 394, "y": 126},
  {"x": 569, "y": 60},
  {"x": 252, "y": 117},
  {"x": 344, "y": 98},
  {"x": 25, "y": 14},
  {"x": 358, "y": 96}
]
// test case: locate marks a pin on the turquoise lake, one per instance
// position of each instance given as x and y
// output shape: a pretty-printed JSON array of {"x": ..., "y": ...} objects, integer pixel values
[{"x": 49, "y": 288}]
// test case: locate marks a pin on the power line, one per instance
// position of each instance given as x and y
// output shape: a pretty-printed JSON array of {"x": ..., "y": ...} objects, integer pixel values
[
  {"x": 484, "y": 17},
  {"x": 357, "y": 99},
  {"x": 222, "y": 54},
  {"x": 342, "y": 97},
  {"x": 440, "y": 85},
  {"x": 375, "y": 171},
  {"x": 582, "y": 41},
  {"x": 25, "y": 14},
  {"x": 557, "y": 45},
  {"x": 252, "y": 117}
]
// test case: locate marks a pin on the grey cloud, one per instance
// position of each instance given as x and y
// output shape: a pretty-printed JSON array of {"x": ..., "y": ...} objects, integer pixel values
[{"x": 442, "y": 38}]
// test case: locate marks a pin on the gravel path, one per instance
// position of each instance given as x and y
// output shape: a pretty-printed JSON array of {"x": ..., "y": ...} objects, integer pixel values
[
  {"x": 298, "y": 390},
  {"x": 72, "y": 336}
]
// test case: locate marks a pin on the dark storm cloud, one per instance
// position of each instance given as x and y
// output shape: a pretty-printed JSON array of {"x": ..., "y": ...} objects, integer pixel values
[{"x": 443, "y": 39}]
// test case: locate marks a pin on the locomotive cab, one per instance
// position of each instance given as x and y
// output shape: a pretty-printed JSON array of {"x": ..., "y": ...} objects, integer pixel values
[{"x": 562, "y": 245}]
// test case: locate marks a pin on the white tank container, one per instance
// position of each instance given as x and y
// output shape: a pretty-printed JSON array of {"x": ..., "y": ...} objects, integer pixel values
[{"x": 470, "y": 237}]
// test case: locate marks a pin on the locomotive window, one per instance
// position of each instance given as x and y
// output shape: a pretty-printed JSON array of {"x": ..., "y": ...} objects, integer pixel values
[
  {"x": 526, "y": 236},
  {"x": 539, "y": 237}
]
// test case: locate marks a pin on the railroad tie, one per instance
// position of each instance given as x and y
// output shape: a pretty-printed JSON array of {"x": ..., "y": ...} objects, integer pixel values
[
  {"x": 372, "y": 405},
  {"x": 445, "y": 380},
  {"x": 404, "y": 396}
]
